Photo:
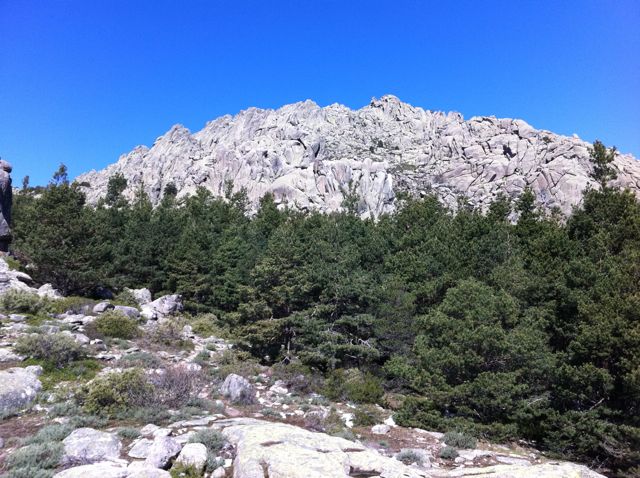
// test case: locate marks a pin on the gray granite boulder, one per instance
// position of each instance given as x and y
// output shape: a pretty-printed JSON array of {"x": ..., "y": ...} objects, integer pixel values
[{"x": 18, "y": 388}]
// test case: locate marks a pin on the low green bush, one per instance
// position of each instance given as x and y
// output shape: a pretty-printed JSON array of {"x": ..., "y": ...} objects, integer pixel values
[
  {"x": 353, "y": 385},
  {"x": 39, "y": 456},
  {"x": 128, "y": 433},
  {"x": 142, "y": 360},
  {"x": 49, "y": 434},
  {"x": 409, "y": 456},
  {"x": 366, "y": 416},
  {"x": 58, "y": 349},
  {"x": 448, "y": 453},
  {"x": 212, "y": 439},
  {"x": 117, "y": 391},
  {"x": 180, "y": 470},
  {"x": 459, "y": 440},
  {"x": 22, "y": 302},
  {"x": 117, "y": 325}
]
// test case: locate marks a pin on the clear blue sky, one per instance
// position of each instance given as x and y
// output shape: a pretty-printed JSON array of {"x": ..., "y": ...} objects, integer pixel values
[{"x": 83, "y": 81}]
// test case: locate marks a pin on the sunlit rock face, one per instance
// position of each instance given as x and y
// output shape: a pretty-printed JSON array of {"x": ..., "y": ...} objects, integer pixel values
[{"x": 312, "y": 158}]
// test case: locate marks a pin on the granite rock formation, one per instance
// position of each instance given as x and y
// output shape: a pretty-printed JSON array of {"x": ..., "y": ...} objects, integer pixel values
[
  {"x": 312, "y": 158},
  {"x": 6, "y": 200}
]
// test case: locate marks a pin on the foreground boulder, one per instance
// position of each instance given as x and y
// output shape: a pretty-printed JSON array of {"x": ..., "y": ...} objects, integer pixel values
[
  {"x": 86, "y": 445},
  {"x": 282, "y": 450},
  {"x": 546, "y": 470},
  {"x": 18, "y": 388},
  {"x": 106, "y": 469}
]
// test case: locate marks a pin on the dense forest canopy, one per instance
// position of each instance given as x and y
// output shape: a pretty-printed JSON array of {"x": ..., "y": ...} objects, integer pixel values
[{"x": 527, "y": 330}]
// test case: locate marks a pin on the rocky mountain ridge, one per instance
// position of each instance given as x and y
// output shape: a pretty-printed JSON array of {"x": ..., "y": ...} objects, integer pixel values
[{"x": 312, "y": 158}]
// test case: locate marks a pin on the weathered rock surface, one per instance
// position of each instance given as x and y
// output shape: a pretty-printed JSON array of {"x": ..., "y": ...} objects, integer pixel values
[
  {"x": 310, "y": 157},
  {"x": 547, "y": 470},
  {"x": 279, "y": 450},
  {"x": 18, "y": 387},
  {"x": 105, "y": 469},
  {"x": 86, "y": 445}
]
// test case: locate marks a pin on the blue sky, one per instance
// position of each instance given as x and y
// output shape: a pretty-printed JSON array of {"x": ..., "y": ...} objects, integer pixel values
[{"x": 82, "y": 82}]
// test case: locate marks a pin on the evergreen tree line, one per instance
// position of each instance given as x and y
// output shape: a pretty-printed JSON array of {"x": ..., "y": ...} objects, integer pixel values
[{"x": 527, "y": 330}]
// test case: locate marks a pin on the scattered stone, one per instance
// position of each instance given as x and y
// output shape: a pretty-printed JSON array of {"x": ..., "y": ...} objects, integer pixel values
[
  {"x": 86, "y": 445},
  {"x": 149, "y": 429},
  {"x": 547, "y": 470},
  {"x": 7, "y": 355},
  {"x": 101, "y": 307},
  {"x": 193, "y": 454},
  {"x": 17, "y": 317},
  {"x": 131, "y": 312},
  {"x": 238, "y": 389},
  {"x": 380, "y": 429},
  {"x": 18, "y": 387},
  {"x": 162, "y": 451},
  {"x": 140, "y": 448}
]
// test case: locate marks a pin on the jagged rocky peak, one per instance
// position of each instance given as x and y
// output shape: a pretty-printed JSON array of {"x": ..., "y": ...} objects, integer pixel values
[{"x": 310, "y": 157}]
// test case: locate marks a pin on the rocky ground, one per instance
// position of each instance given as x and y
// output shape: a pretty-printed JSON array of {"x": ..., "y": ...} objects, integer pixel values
[{"x": 209, "y": 413}]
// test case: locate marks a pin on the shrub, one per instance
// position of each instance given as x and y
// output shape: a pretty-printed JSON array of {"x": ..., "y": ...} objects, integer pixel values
[
  {"x": 117, "y": 325},
  {"x": 366, "y": 416},
  {"x": 84, "y": 369},
  {"x": 127, "y": 298},
  {"x": 238, "y": 362},
  {"x": 28, "y": 472},
  {"x": 174, "y": 386},
  {"x": 128, "y": 433},
  {"x": 448, "y": 453},
  {"x": 212, "y": 439},
  {"x": 169, "y": 332},
  {"x": 58, "y": 349},
  {"x": 459, "y": 440},
  {"x": 297, "y": 377},
  {"x": 409, "y": 456},
  {"x": 180, "y": 470},
  {"x": 37, "y": 456},
  {"x": 73, "y": 304},
  {"x": 353, "y": 385},
  {"x": 49, "y": 434},
  {"x": 23, "y": 302},
  {"x": 117, "y": 391},
  {"x": 141, "y": 359},
  {"x": 206, "y": 325}
]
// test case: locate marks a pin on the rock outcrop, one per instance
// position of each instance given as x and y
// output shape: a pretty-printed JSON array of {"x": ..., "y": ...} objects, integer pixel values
[
  {"x": 310, "y": 157},
  {"x": 6, "y": 201},
  {"x": 16, "y": 280}
]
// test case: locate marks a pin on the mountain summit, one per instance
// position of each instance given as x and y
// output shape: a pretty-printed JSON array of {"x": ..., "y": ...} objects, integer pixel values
[{"x": 312, "y": 158}]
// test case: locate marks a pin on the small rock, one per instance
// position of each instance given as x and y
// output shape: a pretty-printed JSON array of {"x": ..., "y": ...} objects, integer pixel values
[
  {"x": 219, "y": 473},
  {"x": 193, "y": 454},
  {"x": 86, "y": 445},
  {"x": 140, "y": 448},
  {"x": 102, "y": 307},
  {"x": 161, "y": 451},
  {"x": 131, "y": 312},
  {"x": 380, "y": 429},
  {"x": 17, "y": 317}
]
